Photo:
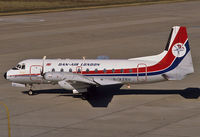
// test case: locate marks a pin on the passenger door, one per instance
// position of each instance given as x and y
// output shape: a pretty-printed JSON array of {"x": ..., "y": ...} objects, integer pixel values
[
  {"x": 141, "y": 72},
  {"x": 35, "y": 71}
]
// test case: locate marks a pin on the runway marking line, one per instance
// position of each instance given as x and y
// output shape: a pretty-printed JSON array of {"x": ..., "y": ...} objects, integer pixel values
[{"x": 8, "y": 117}]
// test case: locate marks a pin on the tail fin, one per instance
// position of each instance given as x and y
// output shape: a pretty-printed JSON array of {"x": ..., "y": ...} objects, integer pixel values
[{"x": 179, "y": 54}]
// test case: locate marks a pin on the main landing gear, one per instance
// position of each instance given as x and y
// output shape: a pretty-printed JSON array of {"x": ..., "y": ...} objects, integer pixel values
[
  {"x": 90, "y": 92},
  {"x": 85, "y": 96}
]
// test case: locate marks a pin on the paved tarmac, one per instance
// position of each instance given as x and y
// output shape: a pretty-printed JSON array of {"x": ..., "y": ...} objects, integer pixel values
[{"x": 165, "y": 109}]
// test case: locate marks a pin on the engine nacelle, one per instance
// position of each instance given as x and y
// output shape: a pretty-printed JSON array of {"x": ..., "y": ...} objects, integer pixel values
[
  {"x": 18, "y": 85},
  {"x": 57, "y": 76},
  {"x": 67, "y": 76}
]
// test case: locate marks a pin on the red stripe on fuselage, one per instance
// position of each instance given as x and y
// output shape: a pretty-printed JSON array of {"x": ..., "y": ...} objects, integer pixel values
[{"x": 24, "y": 75}]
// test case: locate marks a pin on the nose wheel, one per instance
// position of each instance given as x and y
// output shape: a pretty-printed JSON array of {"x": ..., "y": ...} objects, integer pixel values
[{"x": 30, "y": 92}]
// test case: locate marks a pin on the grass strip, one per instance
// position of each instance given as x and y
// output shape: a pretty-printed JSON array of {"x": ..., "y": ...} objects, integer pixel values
[{"x": 10, "y": 7}]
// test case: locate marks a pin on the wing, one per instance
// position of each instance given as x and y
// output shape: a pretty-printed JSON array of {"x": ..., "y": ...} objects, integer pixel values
[
  {"x": 77, "y": 82},
  {"x": 76, "y": 86}
]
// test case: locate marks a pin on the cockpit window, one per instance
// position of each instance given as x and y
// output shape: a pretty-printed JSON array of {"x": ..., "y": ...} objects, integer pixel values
[
  {"x": 19, "y": 66},
  {"x": 14, "y": 68}
]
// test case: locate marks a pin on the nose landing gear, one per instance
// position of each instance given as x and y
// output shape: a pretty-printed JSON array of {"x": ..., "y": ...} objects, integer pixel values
[{"x": 30, "y": 92}]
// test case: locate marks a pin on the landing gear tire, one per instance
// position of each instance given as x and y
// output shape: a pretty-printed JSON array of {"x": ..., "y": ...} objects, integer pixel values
[
  {"x": 30, "y": 92},
  {"x": 85, "y": 96}
]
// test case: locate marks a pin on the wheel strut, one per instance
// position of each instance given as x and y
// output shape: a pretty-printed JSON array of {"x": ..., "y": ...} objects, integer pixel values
[{"x": 30, "y": 92}]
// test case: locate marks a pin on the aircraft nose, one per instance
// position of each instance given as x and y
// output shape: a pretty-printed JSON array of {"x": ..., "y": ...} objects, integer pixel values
[{"x": 5, "y": 75}]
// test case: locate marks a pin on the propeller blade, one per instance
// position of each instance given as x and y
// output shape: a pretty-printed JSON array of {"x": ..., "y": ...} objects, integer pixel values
[{"x": 42, "y": 72}]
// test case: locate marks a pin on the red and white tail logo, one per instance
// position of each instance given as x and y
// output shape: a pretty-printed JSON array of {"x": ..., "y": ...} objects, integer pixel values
[{"x": 178, "y": 54}]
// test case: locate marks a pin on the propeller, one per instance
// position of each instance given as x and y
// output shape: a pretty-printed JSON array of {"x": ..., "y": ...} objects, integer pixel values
[{"x": 42, "y": 71}]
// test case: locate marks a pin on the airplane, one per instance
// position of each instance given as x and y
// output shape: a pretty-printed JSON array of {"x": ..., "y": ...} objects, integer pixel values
[{"x": 82, "y": 75}]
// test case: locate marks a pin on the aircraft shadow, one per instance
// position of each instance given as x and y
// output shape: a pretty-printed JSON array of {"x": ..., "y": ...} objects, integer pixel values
[{"x": 103, "y": 96}]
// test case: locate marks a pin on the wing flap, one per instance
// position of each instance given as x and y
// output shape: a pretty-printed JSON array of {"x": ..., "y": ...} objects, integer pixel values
[{"x": 79, "y": 87}]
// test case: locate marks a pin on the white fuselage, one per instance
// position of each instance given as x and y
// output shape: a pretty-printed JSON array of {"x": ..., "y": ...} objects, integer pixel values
[{"x": 125, "y": 71}]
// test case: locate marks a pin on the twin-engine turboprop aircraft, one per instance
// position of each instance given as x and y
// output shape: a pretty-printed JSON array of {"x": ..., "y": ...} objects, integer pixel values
[{"x": 79, "y": 75}]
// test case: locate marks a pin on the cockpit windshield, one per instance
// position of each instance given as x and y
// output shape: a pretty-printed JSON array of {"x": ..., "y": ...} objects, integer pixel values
[{"x": 19, "y": 66}]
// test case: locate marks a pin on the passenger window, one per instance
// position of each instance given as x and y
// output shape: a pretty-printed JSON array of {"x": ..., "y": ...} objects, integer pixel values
[
  {"x": 130, "y": 70},
  {"x": 113, "y": 70},
  {"x": 104, "y": 70},
  {"x": 87, "y": 70},
  {"x": 79, "y": 70},
  {"x": 61, "y": 70},
  {"x": 96, "y": 70},
  {"x": 53, "y": 70},
  {"x": 122, "y": 70},
  {"x": 70, "y": 70}
]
